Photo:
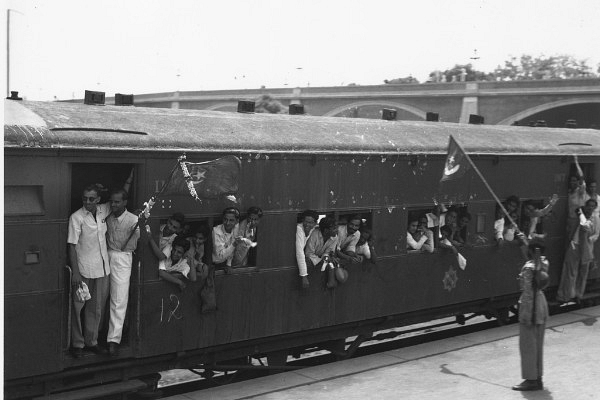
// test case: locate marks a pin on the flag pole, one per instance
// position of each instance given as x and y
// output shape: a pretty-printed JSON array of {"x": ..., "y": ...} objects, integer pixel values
[{"x": 485, "y": 182}]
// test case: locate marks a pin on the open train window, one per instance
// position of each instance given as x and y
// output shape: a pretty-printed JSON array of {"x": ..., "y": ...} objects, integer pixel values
[
  {"x": 198, "y": 231},
  {"x": 24, "y": 200},
  {"x": 421, "y": 228},
  {"x": 424, "y": 227},
  {"x": 533, "y": 213}
]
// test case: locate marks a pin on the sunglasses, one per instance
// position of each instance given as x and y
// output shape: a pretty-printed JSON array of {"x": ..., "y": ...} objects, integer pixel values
[{"x": 90, "y": 199}]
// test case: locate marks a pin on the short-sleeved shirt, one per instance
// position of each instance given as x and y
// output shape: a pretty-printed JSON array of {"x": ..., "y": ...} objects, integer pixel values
[
  {"x": 88, "y": 234},
  {"x": 119, "y": 230},
  {"x": 181, "y": 266}
]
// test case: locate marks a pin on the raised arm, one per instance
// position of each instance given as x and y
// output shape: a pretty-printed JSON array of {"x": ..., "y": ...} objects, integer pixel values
[{"x": 548, "y": 208}]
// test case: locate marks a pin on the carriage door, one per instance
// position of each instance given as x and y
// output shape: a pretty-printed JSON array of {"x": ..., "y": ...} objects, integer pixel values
[{"x": 110, "y": 176}]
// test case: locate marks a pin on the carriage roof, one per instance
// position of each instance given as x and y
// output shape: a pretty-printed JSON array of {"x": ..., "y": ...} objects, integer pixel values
[{"x": 79, "y": 126}]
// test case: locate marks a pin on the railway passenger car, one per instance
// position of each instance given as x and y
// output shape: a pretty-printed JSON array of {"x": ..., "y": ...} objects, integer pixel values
[{"x": 381, "y": 169}]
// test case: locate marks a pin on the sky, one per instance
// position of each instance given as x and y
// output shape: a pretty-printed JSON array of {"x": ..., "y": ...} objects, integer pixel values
[{"x": 59, "y": 48}]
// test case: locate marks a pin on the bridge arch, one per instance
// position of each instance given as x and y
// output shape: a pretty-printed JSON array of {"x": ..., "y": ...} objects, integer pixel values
[
  {"x": 547, "y": 106},
  {"x": 413, "y": 110}
]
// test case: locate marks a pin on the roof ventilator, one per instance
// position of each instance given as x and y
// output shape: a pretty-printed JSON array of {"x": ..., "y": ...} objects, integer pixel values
[
  {"x": 93, "y": 97},
  {"x": 245, "y": 106},
  {"x": 14, "y": 96},
  {"x": 123, "y": 99},
  {"x": 389, "y": 114}
]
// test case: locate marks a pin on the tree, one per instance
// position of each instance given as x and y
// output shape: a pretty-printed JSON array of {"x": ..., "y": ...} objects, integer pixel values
[
  {"x": 408, "y": 79},
  {"x": 525, "y": 67},
  {"x": 528, "y": 67},
  {"x": 268, "y": 104},
  {"x": 459, "y": 73}
]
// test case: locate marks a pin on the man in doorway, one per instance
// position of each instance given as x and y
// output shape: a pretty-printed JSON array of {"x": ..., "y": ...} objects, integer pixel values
[
  {"x": 123, "y": 235},
  {"x": 580, "y": 255},
  {"x": 88, "y": 256}
]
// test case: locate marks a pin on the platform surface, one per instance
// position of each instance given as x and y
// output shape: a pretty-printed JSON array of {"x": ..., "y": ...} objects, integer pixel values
[{"x": 481, "y": 365}]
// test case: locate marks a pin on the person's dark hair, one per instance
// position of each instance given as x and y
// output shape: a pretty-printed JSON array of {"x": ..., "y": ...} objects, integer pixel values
[
  {"x": 181, "y": 242},
  {"x": 356, "y": 216},
  {"x": 413, "y": 218},
  {"x": 122, "y": 192},
  {"x": 94, "y": 187},
  {"x": 255, "y": 210},
  {"x": 203, "y": 229},
  {"x": 513, "y": 198},
  {"x": 446, "y": 229},
  {"x": 179, "y": 217},
  {"x": 327, "y": 223},
  {"x": 309, "y": 213},
  {"x": 232, "y": 210},
  {"x": 593, "y": 201},
  {"x": 368, "y": 231}
]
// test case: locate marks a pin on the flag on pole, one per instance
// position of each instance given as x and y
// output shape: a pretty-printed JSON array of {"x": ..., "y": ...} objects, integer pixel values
[
  {"x": 209, "y": 179},
  {"x": 457, "y": 163}
]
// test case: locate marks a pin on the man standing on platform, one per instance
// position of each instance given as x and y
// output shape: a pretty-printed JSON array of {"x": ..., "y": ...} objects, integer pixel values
[{"x": 533, "y": 313}]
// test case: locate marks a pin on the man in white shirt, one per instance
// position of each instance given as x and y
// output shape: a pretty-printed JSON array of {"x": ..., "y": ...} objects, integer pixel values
[
  {"x": 226, "y": 238},
  {"x": 303, "y": 231},
  {"x": 88, "y": 256},
  {"x": 348, "y": 236},
  {"x": 168, "y": 233},
  {"x": 580, "y": 255},
  {"x": 122, "y": 238}
]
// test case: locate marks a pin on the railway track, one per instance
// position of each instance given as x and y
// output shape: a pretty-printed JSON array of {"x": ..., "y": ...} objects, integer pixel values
[{"x": 183, "y": 381}]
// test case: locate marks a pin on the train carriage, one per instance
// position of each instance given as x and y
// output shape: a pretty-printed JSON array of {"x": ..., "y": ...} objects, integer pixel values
[{"x": 383, "y": 170}]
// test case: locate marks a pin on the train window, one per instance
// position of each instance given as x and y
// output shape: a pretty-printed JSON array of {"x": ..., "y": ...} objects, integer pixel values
[
  {"x": 420, "y": 231},
  {"x": 24, "y": 200},
  {"x": 245, "y": 256},
  {"x": 425, "y": 222},
  {"x": 532, "y": 217}
]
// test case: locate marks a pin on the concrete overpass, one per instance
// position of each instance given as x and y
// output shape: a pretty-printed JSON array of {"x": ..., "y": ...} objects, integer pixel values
[{"x": 501, "y": 103}]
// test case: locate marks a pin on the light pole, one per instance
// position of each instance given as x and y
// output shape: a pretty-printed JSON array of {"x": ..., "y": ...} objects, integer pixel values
[{"x": 8, "y": 10}]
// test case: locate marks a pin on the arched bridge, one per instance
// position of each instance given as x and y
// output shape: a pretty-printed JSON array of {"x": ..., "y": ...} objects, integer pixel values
[{"x": 499, "y": 103}]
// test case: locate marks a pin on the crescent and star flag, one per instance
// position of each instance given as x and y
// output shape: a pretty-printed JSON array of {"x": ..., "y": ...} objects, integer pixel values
[
  {"x": 209, "y": 179},
  {"x": 456, "y": 164}
]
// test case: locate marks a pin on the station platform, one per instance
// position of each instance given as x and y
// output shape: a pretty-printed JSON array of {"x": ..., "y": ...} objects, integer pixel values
[{"x": 481, "y": 365}]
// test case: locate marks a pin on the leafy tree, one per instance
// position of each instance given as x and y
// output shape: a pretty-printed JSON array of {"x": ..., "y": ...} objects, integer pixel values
[
  {"x": 268, "y": 104},
  {"x": 408, "y": 79},
  {"x": 459, "y": 73},
  {"x": 525, "y": 67},
  {"x": 528, "y": 67}
]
